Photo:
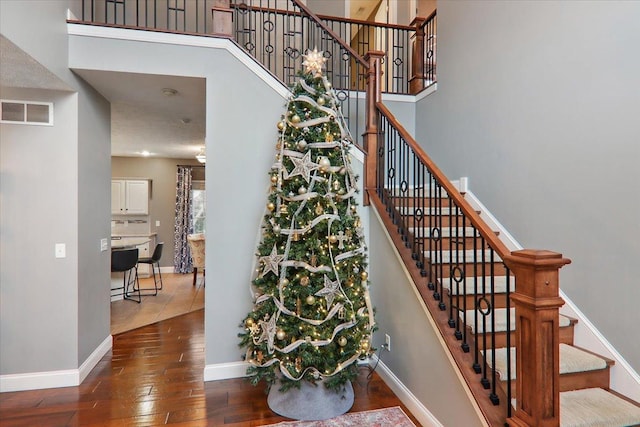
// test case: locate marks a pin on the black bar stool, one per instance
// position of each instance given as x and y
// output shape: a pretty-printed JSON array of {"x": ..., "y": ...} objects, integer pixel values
[
  {"x": 126, "y": 261},
  {"x": 154, "y": 261}
]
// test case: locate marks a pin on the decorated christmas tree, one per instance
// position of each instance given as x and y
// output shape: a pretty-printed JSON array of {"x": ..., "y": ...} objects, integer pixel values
[{"x": 312, "y": 319}]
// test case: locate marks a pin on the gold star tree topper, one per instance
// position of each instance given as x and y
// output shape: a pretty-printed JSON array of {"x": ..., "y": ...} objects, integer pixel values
[{"x": 313, "y": 62}]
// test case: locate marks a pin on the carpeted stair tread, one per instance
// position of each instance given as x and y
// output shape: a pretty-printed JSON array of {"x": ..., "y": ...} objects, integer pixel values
[
  {"x": 445, "y": 257},
  {"x": 595, "y": 407},
  {"x": 499, "y": 285},
  {"x": 500, "y": 315},
  {"x": 572, "y": 360}
]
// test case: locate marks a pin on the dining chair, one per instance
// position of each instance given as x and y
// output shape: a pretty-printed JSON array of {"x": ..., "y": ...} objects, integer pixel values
[
  {"x": 197, "y": 247},
  {"x": 126, "y": 261},
  {"x": 154, "y": 261}
]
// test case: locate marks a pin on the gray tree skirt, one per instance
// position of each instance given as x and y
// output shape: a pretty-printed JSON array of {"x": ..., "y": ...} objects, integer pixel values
[{"x": 310, "y": 402}]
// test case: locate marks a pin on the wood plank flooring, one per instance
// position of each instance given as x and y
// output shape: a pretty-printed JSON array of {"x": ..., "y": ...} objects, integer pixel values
[
  {"x": 178, "y": 296},
  {"x": 154, "y": 376}
]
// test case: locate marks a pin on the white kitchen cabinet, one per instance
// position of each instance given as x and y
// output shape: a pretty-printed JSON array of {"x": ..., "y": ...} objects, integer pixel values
[{"x": 129, "y": 197}]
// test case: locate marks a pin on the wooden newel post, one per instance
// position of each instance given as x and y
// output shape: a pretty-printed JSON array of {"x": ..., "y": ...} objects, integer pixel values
[
  {"x": 370, "y": 135},
  {"x": 416, "y": 82},
  {"x": 536, "y": 300},
  {"x": 222, "y": 17}
]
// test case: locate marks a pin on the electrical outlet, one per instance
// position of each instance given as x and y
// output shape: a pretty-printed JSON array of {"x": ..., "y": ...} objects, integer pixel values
[
  {"x": 104, "y": 246},
  {"x": 387, "y": 342}
]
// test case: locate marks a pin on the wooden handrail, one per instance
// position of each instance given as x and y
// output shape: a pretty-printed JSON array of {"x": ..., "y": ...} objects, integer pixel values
[
  {"x": 485, "y": 231},
  {"x": 315, "y": 18},
  {"x": 325, "y": 17},
  {"x": 329, "y": 31},
  {"x": 429, "y": 18}
]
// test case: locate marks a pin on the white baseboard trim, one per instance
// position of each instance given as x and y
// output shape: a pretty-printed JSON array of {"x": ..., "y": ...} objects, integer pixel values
[
  {"x": 624, "y": 379},
  {"x": 225, "y": 371},
  {"x": 416, "y": 407},
  {"x": 94, "y": 358},
  {"x": 54, "y": 379}
]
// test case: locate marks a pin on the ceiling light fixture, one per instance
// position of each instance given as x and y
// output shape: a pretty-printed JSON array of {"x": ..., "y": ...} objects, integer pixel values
[
  {"x": 168, "y": 91},
  {"x": 201, "y": 156},
  {"x": 145, "y": 153}
]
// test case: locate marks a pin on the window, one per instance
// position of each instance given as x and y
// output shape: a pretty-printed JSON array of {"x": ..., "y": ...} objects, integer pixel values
[
  {"x": 26, "y": 112},
  {"x": 198, "y": 206}
]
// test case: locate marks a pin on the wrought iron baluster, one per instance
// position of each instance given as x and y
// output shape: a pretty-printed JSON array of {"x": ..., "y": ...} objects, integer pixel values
[
  {"x": 487, "y": 312},
  {"x": 493, "y": 396},
  {"x": 465, "y": 343},
  {"x": 477, "y": 368},
  {"x": 509, "y": 374}
]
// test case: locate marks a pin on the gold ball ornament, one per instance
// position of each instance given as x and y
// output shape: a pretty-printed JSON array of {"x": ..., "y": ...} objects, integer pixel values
[
  {"x": 304, "y": 281},
  {"x": 281, "y": 334},
  {"x": 249, "y": 322},
  {"x": 342, "y": 341},
  {"x": 295, "y": 118},
  {"x": 311, "y": 300},
  {"x": 302, "y": 190},
  {"x": 284, "y": 282},
  {"x": 321, "y": 100},
  {"x": 277, "y": 229},
  {"x": 271, "y": 206},
  {"x": 274, "y": 179},
  {"x": 364, "y": 275},
  {"x": 333, "y": 238},
  {"x": 281, "y": 125},
  {"x": 302, "y": 144},
  {"x": 324, "y": 163}
]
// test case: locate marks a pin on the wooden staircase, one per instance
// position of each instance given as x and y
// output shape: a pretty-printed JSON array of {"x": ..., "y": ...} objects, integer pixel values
[{"x": 584, "y": 376}]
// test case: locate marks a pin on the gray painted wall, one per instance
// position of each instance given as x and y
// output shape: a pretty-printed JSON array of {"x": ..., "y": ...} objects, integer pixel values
[
  {"x": 51, "y": 306},
  {"x": 39, "y": 304},
  {"x": 416, "y": 357},
  {"x": 242, "y": 112},
  {"x": 538, "y": 104},
  {"x": 162, "y": 172}
]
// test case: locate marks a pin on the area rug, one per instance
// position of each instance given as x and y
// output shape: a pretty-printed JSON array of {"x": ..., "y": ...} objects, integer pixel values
[{"x": 386, "y": 417}]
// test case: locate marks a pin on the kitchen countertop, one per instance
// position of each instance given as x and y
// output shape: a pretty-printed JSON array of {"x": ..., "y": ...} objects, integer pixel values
[
  {"x": 120, "y": 242},
  {"x": 133, "y": 235}
]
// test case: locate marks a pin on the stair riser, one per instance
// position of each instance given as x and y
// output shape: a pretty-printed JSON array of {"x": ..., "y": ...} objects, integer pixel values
[
  {"x": 470, "y": 270},
  {"x": 566, "y": 337},
  {"x": 430, "y": 222},
  {"x": 420, "y": 202},
  {"x": 446, "y": 243},
  {"x": 574, "y": 381},
  {"x": 459, "y": 301}
]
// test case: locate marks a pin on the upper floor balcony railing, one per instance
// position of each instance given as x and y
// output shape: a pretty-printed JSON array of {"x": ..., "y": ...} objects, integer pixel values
[{"x": 274, "y": 31}]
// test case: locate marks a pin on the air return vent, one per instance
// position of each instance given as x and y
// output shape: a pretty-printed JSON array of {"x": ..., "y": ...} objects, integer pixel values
[{"x": 26, "y": 112}]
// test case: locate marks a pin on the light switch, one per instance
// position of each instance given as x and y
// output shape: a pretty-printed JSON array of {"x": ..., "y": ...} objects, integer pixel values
[
  {"x": 157, "y": 223},
  {"x": 103, "y": 245},
  {"x": 61, "y": 250}
]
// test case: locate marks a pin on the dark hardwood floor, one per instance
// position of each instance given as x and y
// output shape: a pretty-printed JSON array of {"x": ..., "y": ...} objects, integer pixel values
[{"x": 154, "y": 376}]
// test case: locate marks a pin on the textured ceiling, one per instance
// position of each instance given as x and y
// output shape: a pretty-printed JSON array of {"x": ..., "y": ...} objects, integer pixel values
[{"x": 145, "y": 119}]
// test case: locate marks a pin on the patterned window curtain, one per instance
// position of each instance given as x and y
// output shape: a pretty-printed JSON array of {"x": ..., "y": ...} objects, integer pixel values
[{"x": 183, "y": 226}]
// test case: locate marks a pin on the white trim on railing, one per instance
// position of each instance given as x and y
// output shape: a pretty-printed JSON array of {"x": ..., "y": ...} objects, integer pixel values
[
  {"x": 55, "y": 379},
  {"x": 624, "y": 379},
  {"x": 182, "y": 40}
]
